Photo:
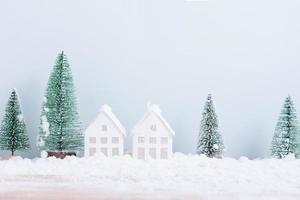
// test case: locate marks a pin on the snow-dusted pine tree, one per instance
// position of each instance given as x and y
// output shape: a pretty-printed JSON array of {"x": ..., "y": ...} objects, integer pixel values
[
  {"x": 59, "y": 124},
  {"x": 286, "y": 136},
  {"x": 210, "y": 142},
  {"x": 13, "y": 136}
]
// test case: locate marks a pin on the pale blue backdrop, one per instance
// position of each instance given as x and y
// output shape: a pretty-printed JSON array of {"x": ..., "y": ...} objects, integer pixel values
[{"x": 170, "y": 52}]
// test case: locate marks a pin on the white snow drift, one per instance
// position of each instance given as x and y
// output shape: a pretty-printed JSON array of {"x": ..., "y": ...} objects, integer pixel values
[{"x": 181, "y": 177}]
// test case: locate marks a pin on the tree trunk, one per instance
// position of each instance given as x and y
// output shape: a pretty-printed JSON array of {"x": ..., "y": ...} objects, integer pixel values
[{"x": 60, "y": 154}]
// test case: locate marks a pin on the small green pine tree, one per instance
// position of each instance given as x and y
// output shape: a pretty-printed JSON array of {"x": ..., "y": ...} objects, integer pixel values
[
  {"x": 210, "y": 141},
  {"x": 59, "y": 124},
  {"x": 13, "y": 135},
  {"x": 286, "y": 136}
]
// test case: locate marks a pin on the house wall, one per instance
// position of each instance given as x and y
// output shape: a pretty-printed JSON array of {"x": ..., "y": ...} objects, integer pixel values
[
  {"x": 152, "y": 129},
  {"x": 97, "y": 131}
]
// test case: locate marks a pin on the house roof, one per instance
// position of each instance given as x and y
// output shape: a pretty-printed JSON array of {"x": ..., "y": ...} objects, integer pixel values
[
  {"x": 153, "y": 109},
  {"x": 106, "y": 109}
]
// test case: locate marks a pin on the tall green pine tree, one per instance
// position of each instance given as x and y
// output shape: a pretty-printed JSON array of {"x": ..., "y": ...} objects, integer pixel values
[
  {"x": 60, "y": 128},
  {"x": 13, "y": 136},
  {"x": 210, "y": 141},
  {"x": 286, "y": 136}
]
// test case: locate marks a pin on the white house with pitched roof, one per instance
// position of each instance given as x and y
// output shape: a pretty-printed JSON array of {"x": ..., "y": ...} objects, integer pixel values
[
  {"x": 152, "y": 136},
  {"x": 105, "y": 135}
]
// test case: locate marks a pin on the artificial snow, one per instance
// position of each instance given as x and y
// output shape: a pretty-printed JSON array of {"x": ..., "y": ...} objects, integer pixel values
[
  {"x": 20, "y": 117},
  {"x": 45, "y": 125},
  {"x": 45, "y": 128},
  {"x": 181, "y": 177},
  {"x": 44, "y": 154}
]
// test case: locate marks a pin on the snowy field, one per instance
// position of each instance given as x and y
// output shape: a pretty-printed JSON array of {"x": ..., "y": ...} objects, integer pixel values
[{"x": 182, "y": 177}]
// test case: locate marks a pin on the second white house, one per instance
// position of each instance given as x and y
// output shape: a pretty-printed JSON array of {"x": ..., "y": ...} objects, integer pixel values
[{"x": 152, "y": 136}]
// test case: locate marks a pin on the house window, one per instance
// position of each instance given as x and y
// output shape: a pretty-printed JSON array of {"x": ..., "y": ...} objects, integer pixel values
[
  {"x": 153, "y": 127},
  {"x": 115, "y": 151},
  {"x": 92, "y": 140},
  {"x": 141, "y": 153},
  {"x": 104, "y": 151},
  {"x": 164, "y": 153},
  {"x": 152, "y": 153},
  {"x": 104, "y": 127},
  {"x": 164, "y": 140},
  {"x": 92, "y": 151},
  {"x": 115, "y": 140},
  {"x": 141, "y": 140},
  {"x": 103, "y": 140},
  {"x": 152, "y": 140}
]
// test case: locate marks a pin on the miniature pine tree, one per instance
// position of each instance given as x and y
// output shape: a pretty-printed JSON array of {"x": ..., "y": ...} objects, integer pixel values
[
  {"x": 13, "y": 135},
  {"x": 286, "y": 136},
  {"x": 210, "y": 141},
  {"x": 60, "y": 128}
]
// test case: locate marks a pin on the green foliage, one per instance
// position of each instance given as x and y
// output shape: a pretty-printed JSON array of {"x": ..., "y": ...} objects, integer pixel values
[
  {"x": 60, "y": 127},
  {"x": 210, "y": 141},
  {"x": 13, "y": 135},
  {"x": 286, "y": 136}
]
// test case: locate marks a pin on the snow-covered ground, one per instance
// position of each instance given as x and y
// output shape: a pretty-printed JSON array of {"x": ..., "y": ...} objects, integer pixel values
[{"x": 182, "y": 177}]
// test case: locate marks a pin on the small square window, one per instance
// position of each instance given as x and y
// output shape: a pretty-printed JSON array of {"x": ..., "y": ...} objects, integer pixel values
[
  {"x": 141, "y": 140},
  {"x": 153, "y": 127},
  {"x": 115, "y": 140},
  {"x": 164, "y": 153},
  {"x": 104, "y": 151},
  {"x": 92, "y": 140},
  {"x": 92, "y": 151},
  {"x": 152, "y": 140},
  {"x": 104, "y": 127},
  {"x": 164, "y": 140},
  {"x": 115, "y": 151},
  {"x": 152, "y": 153},
  {"x": 141, "y": 153},
  {"x": 103, "y": 140}
]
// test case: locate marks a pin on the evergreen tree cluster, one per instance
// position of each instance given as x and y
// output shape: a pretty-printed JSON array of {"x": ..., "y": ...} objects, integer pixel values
[
  {"x": 59, "y": 123},
  {"x": 60, "y": 130},
  {"x": 286, "y": 139}
]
